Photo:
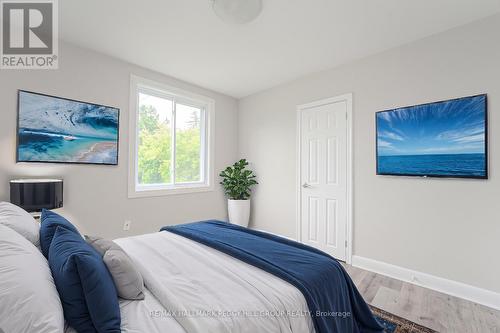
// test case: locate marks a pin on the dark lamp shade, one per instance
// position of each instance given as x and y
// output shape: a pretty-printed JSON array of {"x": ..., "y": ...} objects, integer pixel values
[{"x": 33, "y": 195}]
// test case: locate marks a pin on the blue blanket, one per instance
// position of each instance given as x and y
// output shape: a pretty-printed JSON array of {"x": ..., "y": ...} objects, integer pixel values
[{"x": 334, "y": 302}]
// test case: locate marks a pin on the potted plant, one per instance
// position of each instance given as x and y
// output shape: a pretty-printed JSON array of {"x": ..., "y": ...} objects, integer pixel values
[{"x": 237, "y": 182}]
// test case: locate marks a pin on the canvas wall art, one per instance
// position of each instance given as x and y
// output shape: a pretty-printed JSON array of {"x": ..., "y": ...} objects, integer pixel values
[
  {"x": 59, "y": 130},
  {"x": 442, "y": 139}
]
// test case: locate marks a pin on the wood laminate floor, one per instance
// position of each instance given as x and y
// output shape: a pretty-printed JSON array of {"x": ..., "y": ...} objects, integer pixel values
[{"x": 426, "y": 307}]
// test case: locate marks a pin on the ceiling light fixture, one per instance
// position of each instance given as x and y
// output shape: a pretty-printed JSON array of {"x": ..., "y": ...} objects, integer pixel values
[{"x": 237, "y": 11}]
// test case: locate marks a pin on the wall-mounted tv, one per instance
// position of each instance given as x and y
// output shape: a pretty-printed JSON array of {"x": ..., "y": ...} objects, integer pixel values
[
  {"x": 442, "y": 139},
  {"x": 60, "y": 130}
]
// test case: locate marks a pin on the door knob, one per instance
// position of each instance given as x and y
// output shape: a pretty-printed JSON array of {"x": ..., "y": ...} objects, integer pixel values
[{"x": 306, "y": 185}]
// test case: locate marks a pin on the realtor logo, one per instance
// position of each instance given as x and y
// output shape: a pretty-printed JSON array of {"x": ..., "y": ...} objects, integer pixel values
[{"x": 29, "y": 34}]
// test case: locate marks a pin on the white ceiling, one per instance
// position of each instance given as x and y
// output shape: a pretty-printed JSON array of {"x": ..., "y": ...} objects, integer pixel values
[{"x": 291, "y": 38}]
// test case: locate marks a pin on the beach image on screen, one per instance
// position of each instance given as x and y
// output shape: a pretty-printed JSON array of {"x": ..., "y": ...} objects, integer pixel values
[
  {"x": 446, "y": 139},
  {"x": 53, "y": 129}
]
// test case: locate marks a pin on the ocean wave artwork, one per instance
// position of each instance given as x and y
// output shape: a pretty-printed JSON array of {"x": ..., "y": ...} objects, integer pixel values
[
  {"x": 443, "y": 139},
  {"x": 59, "y": 130}
]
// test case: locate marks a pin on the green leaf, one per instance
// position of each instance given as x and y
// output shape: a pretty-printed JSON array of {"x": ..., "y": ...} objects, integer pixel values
[{"x": 237, "y": 180}]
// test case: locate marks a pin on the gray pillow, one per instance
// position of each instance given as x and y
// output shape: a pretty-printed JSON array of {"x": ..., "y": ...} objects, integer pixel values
[
  {"x": 20, "y": 221},
  {"x": 128, "y": 281}
]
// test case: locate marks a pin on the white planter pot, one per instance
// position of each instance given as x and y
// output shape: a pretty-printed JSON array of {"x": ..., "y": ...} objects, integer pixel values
[{"x": 239, "y": 212}]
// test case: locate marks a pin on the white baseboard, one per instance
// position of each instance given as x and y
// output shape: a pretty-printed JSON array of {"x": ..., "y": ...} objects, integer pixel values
[{"x": 450, "y": 287}]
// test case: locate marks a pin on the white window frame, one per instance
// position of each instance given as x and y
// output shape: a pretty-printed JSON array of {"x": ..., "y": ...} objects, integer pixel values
[{"x": 206, "y": 104}]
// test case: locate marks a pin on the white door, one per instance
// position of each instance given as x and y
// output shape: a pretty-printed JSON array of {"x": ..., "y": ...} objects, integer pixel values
[{"x": 323, "y": 176}]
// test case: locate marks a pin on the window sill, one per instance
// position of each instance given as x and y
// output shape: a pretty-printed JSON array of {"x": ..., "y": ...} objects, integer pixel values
[{"x": 147, "y": 193}]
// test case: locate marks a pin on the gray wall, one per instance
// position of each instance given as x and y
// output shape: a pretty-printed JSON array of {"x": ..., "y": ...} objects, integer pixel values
[
  {"x": 448, "y": 228},
  {"x": 96, "y": 196}
]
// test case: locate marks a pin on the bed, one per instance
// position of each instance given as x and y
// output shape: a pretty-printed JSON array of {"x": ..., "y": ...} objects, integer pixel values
[
  {"x": 199, "y": 286},
  {"x": 208, "y": 277},
  {"x": 210, "y": 291}
]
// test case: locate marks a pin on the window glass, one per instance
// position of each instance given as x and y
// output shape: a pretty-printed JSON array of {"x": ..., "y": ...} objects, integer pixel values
[
  {"x": 188, "y": 151},
  {"x": 154, "y": 151}
]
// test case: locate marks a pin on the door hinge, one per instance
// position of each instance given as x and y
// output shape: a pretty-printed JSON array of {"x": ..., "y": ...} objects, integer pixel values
[{"x": 346, "y": 244}]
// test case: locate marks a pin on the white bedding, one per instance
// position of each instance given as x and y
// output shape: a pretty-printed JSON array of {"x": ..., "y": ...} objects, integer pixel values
[
  {"x": 142, "y": 317},
  {"x": 208, "y": 291}
]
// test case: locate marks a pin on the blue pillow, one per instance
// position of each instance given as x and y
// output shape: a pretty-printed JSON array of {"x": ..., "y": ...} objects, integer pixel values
[
  {"x": 49, "y": 223},
  {"x": 88, "y": 294}
]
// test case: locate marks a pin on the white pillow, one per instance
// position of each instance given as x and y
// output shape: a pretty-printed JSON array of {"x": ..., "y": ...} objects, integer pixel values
[
  {"x": 29, "y": 301},
  {"x": 20, "y": 221}
]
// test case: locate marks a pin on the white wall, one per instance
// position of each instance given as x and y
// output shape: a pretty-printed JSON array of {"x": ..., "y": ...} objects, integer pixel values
[
  {"x": 96, "y": 196},
  {"x": 447, "y": 228}
]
